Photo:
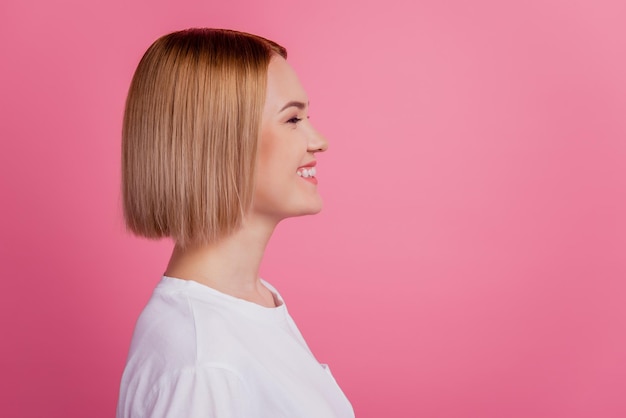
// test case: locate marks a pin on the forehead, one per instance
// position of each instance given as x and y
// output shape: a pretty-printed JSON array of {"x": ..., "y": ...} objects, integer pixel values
[{"x": 283, "y": 84}]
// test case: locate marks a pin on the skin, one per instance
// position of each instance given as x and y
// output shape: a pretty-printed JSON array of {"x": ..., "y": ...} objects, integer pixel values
[{"x": 287, "y": 141}]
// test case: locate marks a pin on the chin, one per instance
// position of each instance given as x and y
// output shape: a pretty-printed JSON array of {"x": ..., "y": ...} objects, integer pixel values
[
  {"x": 311, "y": 209},
  {"x": 315, "y": 211},
  {"x": 316, "y": 207}
]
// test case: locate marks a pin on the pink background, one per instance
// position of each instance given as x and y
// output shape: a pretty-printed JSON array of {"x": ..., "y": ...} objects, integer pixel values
[{"x": 469, "y": 262}]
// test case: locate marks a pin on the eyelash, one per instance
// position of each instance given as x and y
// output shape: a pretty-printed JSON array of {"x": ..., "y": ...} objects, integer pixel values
[{"x": 295, "y": 120}]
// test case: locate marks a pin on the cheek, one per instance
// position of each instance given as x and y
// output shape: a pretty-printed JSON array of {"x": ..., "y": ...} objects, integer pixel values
[
  {"x": 278, "y": 156},
  {"x": 281, "y": 150},
  {"x": 270, "y": 165},
  {"x": 271, "y": 170}
]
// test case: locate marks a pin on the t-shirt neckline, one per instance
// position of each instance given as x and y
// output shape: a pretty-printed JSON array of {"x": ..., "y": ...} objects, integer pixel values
[{"x": 207, "y": 294}]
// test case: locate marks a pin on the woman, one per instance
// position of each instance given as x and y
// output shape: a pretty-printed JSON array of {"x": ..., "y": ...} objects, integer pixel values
[{"x": 217, "y": 150}]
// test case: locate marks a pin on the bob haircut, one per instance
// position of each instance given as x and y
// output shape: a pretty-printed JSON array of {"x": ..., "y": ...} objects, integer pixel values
[{"x": 190, "y": 132}]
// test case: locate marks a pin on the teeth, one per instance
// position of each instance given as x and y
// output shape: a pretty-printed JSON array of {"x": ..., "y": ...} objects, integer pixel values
[{"x": 307, "y": 173}]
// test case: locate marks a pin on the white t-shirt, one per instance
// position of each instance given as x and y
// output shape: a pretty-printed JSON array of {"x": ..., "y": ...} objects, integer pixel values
[{"x": 197, "y": 352}]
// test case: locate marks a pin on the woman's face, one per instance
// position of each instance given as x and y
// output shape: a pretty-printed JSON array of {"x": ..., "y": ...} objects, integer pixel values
[{"x": 286, "y": 184}]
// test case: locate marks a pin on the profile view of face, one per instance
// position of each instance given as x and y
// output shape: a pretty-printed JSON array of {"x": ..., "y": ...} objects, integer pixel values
[{"x": 286, "y": 183}]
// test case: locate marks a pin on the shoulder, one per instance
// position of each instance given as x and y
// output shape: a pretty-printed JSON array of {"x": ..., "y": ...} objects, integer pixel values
[
  {"x": 178, "y": 327},
  {"x": 179, "y": 362},
  {"x": 165, "y": 329},
  {"x": 185, "y": 324},
  {"x": 204, "y": 390}
]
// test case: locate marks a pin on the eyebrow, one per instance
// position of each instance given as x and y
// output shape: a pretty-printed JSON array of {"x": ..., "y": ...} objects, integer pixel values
[{"x": 299, "y": 105}]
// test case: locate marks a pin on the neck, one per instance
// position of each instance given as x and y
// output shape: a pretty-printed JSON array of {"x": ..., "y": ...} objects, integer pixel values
[{"x": 230, "y": 265}]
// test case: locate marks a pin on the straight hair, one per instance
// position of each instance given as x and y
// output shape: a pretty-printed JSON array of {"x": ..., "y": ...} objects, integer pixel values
[{"x": 190, "y": 133}]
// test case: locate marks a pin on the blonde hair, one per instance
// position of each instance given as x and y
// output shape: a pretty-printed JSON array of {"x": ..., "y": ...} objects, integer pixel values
[{"x": 190, "y": 132}]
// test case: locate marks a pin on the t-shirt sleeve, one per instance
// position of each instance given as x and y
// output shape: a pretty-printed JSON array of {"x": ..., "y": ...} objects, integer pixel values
[{"x": 200, "y": 392}]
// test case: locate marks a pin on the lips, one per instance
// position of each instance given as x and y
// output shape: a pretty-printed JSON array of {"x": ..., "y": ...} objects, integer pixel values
[{"x": 308, "y": 172}]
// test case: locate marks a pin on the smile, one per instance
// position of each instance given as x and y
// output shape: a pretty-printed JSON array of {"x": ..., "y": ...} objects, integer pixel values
[{"x": 306, "y": 173}]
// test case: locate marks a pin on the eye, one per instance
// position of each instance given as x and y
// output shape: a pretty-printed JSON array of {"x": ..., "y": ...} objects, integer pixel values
[{"x": 294, "y": 120}]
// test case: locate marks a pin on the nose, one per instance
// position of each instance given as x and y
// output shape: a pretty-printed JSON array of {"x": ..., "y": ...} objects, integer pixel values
[{"x": 317, "y": 142}]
